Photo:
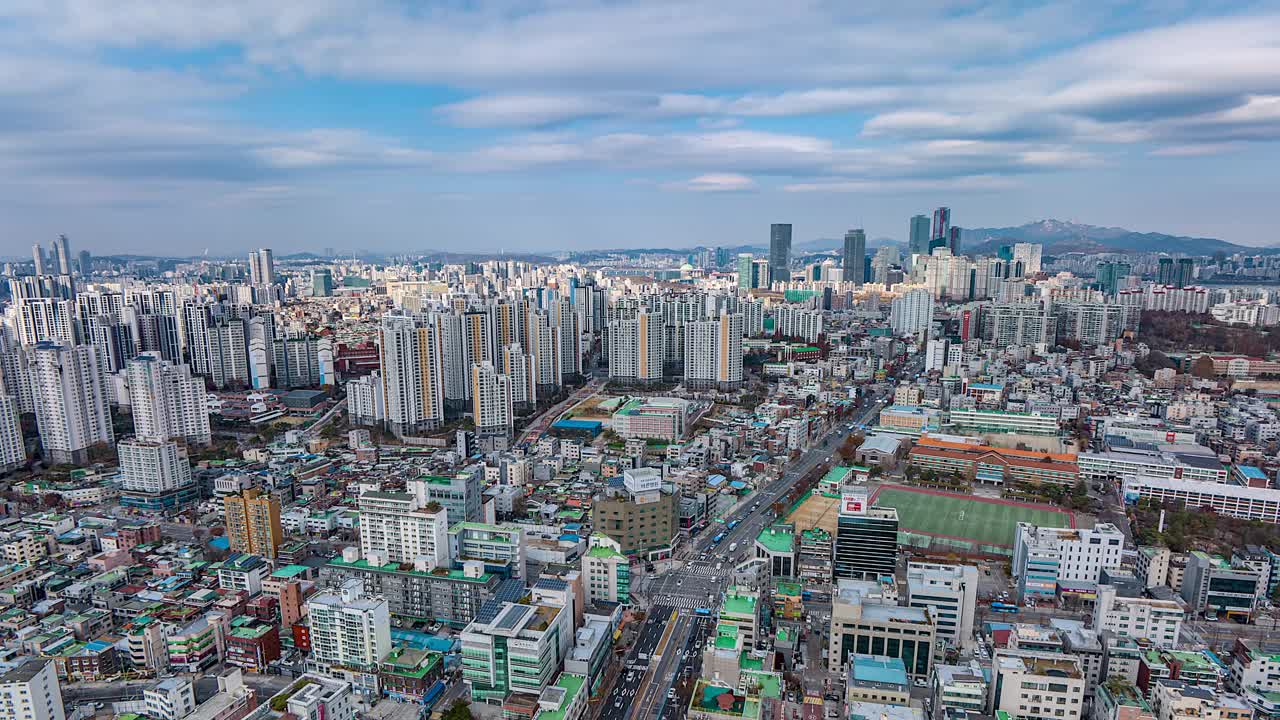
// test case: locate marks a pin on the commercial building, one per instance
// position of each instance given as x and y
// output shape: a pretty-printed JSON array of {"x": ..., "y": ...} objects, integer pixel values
[
  {"x": 1047, "y": 559},
  {"x": 606, "y": 570},
  {"x": 866, "y": 546},
  {"x": 253, "y": 523},
  {"x": 637, "y": 513},
  {"x": 863, "y": 623},
  {"x": 780, "y": 252},
  {"x": 459, "y": 494},
  {"x": 1156, "y": 621},
  {"x": 950, "y": 592},
  {"x": 1039, "y": 685},
  {"x": 315, "y": 696},
  {"x": 877, "y": 679},
  {"x": 776, "y": 545},
  {"x": 958, "y": 690},
  {"x": 514, "y": 648},
  {"x": 1214, "y": 586}
]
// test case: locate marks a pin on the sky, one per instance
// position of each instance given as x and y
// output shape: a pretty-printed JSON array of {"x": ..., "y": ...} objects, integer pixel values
[{"x": 177, "y": 126}]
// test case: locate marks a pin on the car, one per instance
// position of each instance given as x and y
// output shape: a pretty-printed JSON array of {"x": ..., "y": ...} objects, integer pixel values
[{"x": 919, "y": 682}]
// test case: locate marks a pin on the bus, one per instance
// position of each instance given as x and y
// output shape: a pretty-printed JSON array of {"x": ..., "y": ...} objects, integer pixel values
[
  {"x": 1003, "y": 607},
  {"x": 702, "y": 611},
  {"x": 733, "y": 524},
  {"x": 716, "y": 540}
]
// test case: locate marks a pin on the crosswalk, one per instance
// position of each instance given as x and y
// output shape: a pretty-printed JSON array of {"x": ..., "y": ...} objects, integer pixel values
[
  {"x": 703, "y": 571},
  {"x": 682, "y": 602}
]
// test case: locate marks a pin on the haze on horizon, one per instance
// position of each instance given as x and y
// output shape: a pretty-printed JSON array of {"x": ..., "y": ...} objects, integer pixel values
[{"x": 169, "y": 127}]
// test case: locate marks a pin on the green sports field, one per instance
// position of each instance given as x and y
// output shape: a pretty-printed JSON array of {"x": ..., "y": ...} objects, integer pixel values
[{"x": 977, "y": 520}]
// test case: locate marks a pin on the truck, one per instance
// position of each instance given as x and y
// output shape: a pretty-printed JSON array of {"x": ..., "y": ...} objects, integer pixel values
[{"x": 733, "y": 546}]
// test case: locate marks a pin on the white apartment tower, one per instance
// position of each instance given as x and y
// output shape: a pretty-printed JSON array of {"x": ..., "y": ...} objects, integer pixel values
[
  {"x": 396, "y": 527},
  {"x": 911, "y": 312},
  {"x": 348, "y": 629},
  {"x": 167, "y": 401},
  {"x": 71, "y": 401},
  {"x": 412, "y": 373},
  {"x": 13, "y": 451},
  {"x": 153, "y": 466},
  {"x": 491, "y": 405},
  {"x": 713, "y": 352},
  {"x": 636, "y": 348}
]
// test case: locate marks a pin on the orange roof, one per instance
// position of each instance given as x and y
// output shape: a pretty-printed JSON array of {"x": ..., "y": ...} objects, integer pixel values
[{"x": 932, "y": 443}]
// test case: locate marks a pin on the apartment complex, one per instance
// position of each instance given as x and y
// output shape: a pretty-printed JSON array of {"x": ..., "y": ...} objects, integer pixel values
[{"x": 253, "y": 523}]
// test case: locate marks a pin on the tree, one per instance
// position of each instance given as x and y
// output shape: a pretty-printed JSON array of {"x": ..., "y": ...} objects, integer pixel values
[
  {"x": 458, "y": 711},
  {"x": 53, "y": 500}
]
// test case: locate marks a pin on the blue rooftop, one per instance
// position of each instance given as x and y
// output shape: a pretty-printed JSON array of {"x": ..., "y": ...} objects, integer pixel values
[
  {"x": 221, "y": 543},
  {"x": 1251, "y": 472},
  {"x": 877, "y": 669}
]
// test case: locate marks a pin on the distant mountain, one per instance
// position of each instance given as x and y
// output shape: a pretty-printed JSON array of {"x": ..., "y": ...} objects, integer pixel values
[{"x": 1059, "y": 237}]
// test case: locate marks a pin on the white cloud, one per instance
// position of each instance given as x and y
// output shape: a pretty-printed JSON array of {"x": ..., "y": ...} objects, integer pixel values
[{"x": 714, "y": 183}]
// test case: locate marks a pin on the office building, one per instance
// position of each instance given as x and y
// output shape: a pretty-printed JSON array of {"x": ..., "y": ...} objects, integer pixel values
[
  {"x": 855, "y": 256},
  {"x": 166, "y": 401},
  {"x": 912, "y": 312},
  {"x": 516, "y": 648},
  {"x": 1219, "y": 588},
  {"x": 918, "y": 243},
  {"x": 637, "y": 513},
  {"x": 1047, "y": 559},
  {"x": 950, "y": 592},
  {"x": 412, "y": 358},
  {"x": 941, "y": 236},
  {"x": 492, "y": 409},
  {"x": 1039, "y": 685},
  {"x": 958, "y": 690},
  {"x": 70, "y": 402},
  {"x": 636, "y": 348},
  {"x": 607, "y": 572},
  {"x": 748, "y": 277},
  {"x": 321, "y": 283},
  {"x": 398, "y": 527},
  {"x": 713, "y": 352},
  {"x": 866, "y": 546},
  {"x": 780, "y": 252},
  {"x": 1156, "y": 621},
  {"x": 1110, "y": 275},
  {"x": 863, "y": 622},
  {"x": 349, "y": 632},
  {"x": 31, "y": 691},
  {"x": 253, "y": 523}
]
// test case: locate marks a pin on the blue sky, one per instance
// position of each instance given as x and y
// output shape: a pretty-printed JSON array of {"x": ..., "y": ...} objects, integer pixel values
[{"x": 530, "y": 125}]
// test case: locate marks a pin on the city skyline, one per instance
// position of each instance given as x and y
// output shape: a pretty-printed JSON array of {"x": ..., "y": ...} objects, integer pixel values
[{"x": 591, "y": 125}]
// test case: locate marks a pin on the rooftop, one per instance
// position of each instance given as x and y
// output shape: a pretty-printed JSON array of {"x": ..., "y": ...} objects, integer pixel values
[{"x": 777, "y": 539}]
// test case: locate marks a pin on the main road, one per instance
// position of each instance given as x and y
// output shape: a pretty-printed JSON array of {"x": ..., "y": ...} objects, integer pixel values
[{"x": 642, "y": 691}]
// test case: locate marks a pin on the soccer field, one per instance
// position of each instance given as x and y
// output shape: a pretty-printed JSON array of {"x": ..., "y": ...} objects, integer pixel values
[{"x": 978, "y": 520}]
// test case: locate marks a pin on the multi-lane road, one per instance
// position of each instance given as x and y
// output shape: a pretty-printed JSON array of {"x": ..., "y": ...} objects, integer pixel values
[{"x": 673, "y": 630}]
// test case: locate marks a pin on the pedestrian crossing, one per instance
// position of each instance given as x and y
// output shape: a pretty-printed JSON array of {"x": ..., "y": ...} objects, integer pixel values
[
  {"x": 681, "y": 602},
  {"x": 703, "y": 571}
]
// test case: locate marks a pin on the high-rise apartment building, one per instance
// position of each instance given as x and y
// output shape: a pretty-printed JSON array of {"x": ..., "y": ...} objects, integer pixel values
[
  {"x": 855, "y": 256},
  {"x": 866, "y": 546},
  {"x": 13, "y": 451},
  {"x": 412, "y": 373},
  {"x": 1026, "y": 259},
  {"x": 253, "y": 523},
  {"x": 492, "y": 410},
  {"x": 262, "y": 268},
  {"x": 1017, "y": 324},
  {"x": 70, "y": 401},
  {"x": 398, "y": 528},
  {"x": 713, "y": 352},
  {"x": 780, "y": 252},
  {"x": 636, "y": 348},
  {"x": 918, "y": 243},
  {"x": 30, "y": 691},
  {"x": 167, "y": 402},
  {"x": 912, "y": 312},
  {"x": 153, "y": 467},
  {"x": 348, "y": 630}
]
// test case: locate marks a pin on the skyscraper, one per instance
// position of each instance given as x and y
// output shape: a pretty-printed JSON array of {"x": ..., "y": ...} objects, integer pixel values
[
  {"x": 1186, "y": 274},
  {"x": 1110, "y": 273},
  {"x": 86, "y": 263},
  {"x": 745, "y": 274},
  {"x": 253, "y": 523},
  {"x": 941, "y": 227},
  {"x": 912, "y": 312},
  {"x": 321, "y": 283},
  {"x": 62, "y": 251},
  {"x": 38, "y": 260},
  {"x": 855, "y": 256},
  {"x": 1165, "y": 273},
  {"x": 919, "y": 242},
  {"x": 780, "y": 252},
  {"x": 262, "y": 269},
  {"x": 953, "y": 240}
]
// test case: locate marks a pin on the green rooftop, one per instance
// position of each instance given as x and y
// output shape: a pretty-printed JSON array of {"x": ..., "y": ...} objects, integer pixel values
[
  {"x": 735, "y": 604},
  {"x": 572, "y": 686},
  {"x": 289, "y": 571},
  {"x": 407, "y": 569},
  {"x": 770, "y": 684},
  {"x": 604, "y": 551},
  {"x": 777, "y": 539}
]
